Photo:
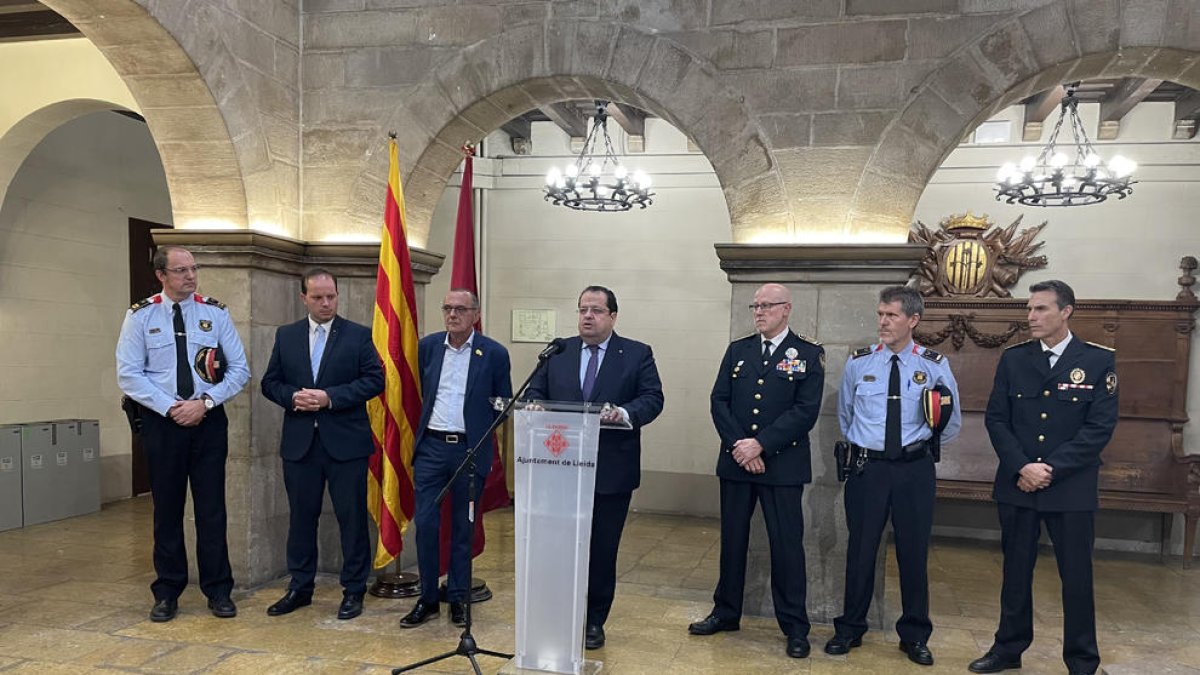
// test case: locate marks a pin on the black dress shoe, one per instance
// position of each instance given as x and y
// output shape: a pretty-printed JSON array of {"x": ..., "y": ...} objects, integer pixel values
[
  {"x": 290, "y": 602},
  {"x": 712, "y": 624},
  {"x": 222, "y": 608},
  {"x": 351, "y": 606},
  {"x": 918, "y": 652},
  {"x": 164, "y": 610},
  {"x": 839, "y": 645},
  {"x": 458, "y": 613},
  {"x": 993, "y": 663},
  {"x": 421, "y": 612},
  {"x": 797, "y": 647},
  {"x": 593, "y": 637}
]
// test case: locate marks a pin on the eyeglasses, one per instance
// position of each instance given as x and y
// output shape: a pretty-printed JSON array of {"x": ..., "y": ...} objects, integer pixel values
[
  {"x": 456, "y": 309},
  {"x": 597, "y": 311},
  {"x": 764, "y": 306},
  {"x": 182, "y": 270}
]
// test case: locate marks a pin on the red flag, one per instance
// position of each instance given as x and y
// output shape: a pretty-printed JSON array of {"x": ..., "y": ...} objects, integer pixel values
[
  {"x": 396, "y": 412},
  {"x": 462, "y": 275}
]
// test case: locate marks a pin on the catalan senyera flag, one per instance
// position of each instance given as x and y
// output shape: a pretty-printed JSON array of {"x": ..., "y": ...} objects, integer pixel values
[{"x": 396, "y": 412}]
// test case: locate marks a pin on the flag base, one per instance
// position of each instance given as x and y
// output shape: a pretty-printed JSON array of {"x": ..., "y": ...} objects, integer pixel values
[
  {"x": 479, "y": 591},
  {"x": 396, "y": 585}
]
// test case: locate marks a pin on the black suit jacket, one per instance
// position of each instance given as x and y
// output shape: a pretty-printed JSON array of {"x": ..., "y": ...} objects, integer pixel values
[
  {"x": 350, "y": 373},
  {"x": 1063, "y": 417},
  {"x": 627, "y": 378},
  {"x": 777, "y": 404}
]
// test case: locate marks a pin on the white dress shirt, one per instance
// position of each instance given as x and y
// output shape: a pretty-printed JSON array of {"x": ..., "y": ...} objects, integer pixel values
[{"x": 447, "y": 412}]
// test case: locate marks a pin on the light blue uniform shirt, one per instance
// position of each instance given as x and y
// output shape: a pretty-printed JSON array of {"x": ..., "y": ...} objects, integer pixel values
[
  {"x": 146, "y": 351},
  {"x": 862, "y": 402},
  {"x": 447, "y": 414}
]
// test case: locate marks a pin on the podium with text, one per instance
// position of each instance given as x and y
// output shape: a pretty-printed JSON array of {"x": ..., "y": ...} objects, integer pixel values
[{"x": 554, "y": 480}]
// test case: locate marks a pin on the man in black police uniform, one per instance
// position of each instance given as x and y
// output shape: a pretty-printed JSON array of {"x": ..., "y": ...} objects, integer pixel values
[
  {"x": 1052, "y": 410},
  {"x": 881, "y": 412},
  {"x": 764, "y": 403}
]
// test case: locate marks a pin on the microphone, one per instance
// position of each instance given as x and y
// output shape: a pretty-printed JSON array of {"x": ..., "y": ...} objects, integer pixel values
[{"x": 553, "y": 347}]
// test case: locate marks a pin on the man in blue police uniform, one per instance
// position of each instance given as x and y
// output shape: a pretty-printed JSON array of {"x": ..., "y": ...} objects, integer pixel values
[
  {"x": 600, "y": 366},
  {"x": 892, "y": 474},
  {"x": 764, "y": 403},
  {"x": 322, "y": 372},
  {"x": 1052, "y": 410},
  {"x": 180, "y": 359},
  {"x": 461, "y": 371}
]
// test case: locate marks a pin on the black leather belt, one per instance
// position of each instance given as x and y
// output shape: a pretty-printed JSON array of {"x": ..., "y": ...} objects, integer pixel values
[
  {"x": 908, "y": 453},
  {"x": 451, "y": 437}
]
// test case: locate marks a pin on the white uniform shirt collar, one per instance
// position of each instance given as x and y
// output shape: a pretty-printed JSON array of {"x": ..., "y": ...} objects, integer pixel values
[
  {"x": 777, "y": 340},
  {"x": 1059, "y": 348}
]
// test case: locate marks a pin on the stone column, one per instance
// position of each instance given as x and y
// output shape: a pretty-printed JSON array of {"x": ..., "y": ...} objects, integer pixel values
[
  {"x": 834, "y": 295},
  {"x": 257, "y": 276}
]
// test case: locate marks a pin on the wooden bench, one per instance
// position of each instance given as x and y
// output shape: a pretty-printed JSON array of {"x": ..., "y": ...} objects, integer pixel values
[{"x": 1145, "y": 465}]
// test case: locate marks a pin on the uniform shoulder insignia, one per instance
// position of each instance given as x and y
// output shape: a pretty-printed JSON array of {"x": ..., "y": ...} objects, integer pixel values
[
  {"x": 807, "y": 339},
  {"x": 1018, "y": 344},
  {"x": 865, "y": 351},
  {"x": 141, "y": 304},
  {"x": 932, "y": 355},
  {"x": 213, "y": 301},
  {"x": 746, "y": 337},
  {"x": 1104, "y": 347}
]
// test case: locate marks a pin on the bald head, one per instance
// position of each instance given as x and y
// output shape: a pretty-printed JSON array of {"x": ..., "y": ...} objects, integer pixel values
[{"x": 772, "y": 307}]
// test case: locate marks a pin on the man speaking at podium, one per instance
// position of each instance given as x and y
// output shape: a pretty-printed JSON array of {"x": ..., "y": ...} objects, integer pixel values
[{"x": 600, "y": 366}]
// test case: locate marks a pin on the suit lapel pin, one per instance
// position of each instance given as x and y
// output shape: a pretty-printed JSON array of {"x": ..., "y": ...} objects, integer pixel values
[{"x": 478, "y": 352}]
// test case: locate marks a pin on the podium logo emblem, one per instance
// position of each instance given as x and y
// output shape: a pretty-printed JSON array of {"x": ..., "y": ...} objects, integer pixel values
[{"x": 556, "y": 443}]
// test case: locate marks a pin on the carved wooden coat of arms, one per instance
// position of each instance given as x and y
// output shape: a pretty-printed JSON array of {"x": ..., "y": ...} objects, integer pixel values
[{"x": 971, "y": 257}]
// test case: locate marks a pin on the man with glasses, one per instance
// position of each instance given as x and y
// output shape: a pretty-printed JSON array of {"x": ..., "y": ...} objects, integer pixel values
[
  {"x": 179, "y": 359},
  {"x": 461, "y": 371},
  {"x": 322, "y": 372},
  {"x": 600, "y": 366},
  {"x": 764, "y": 403}
]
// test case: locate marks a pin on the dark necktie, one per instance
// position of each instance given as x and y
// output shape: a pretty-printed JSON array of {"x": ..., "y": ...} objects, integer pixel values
[
  {"x": 1049, "y": 357},
  {"x": 766, "y": 351},
  {"x": 183, "y": 372},
  {"x": 589, "y": 377},
  {"x": 891, "y": 434}
]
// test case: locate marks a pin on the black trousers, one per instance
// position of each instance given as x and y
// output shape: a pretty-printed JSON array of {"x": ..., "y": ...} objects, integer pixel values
[
  {"x": 1073, "y": 534},
  {"x": 305, "y": 480},
  {"x": 903, "y": 491},
  {"x": 781, "y": 506},
  {"x": 608, "y": 521},
  {"x": 178, "y": 456},
  {"x": 434, "y": 465}
]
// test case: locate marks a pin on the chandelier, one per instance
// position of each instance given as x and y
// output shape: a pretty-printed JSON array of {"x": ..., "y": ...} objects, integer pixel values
[
  {"x": 1076, "y": 177},
  {"x": 598, "y": 182}
]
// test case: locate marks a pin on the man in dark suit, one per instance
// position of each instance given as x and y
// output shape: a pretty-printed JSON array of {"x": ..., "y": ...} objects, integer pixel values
[
  {"x": 323, "y": 370},
  {"x": 1052, "y": 410},
  {"x": 461, "y": 371},
  {"x": 764, "y": 403},
  {"x": 621, "y": 372}
]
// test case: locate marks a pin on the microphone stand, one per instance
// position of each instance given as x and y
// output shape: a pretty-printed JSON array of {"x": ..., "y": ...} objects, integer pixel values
[{"x": 466, "y": 642}]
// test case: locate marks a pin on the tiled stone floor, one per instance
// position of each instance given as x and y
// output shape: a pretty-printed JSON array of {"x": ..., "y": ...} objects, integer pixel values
[{"x": 74, "y": 597}]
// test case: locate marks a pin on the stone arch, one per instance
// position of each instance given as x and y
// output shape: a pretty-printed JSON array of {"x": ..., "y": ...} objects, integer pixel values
[
  {"x": 205, "y": 177},
  {"x": 24, "y": 136},
  {"x": 493, "y": 81},
  {"x": 1058, "y": 42}
]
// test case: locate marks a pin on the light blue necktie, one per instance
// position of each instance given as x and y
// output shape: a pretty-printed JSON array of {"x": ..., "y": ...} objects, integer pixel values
[{"x": 317, "y": 351}]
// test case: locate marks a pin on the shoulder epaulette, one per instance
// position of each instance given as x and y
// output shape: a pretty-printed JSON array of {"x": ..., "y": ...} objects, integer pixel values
[
  {"x": 1019, "y": 344},
  {"x": 1104, "y": 347},
  {"x": 807, "y": 339},
  {"x": 865, "y": 351},
  {"x": 212, "y": 301},
  {"x": 932, "y": 355},
  {"x": 747, "y": 337},
  {"x": 141, "y": 304}
]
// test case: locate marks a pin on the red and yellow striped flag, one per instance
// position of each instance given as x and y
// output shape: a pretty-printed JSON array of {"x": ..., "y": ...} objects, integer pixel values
[{"x": 396, "y": 413}]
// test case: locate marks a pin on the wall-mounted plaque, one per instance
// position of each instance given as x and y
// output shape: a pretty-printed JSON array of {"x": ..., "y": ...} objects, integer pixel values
[{"x": 532, "y": 325}]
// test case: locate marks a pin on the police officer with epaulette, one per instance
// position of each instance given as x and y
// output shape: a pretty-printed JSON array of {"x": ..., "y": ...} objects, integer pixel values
[
  {"x": 1052, "y": 410},
  {"x": 886, "y": 414},
  {"x": 179, "y": 359},
  {"x": 764, "y": 403}
]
